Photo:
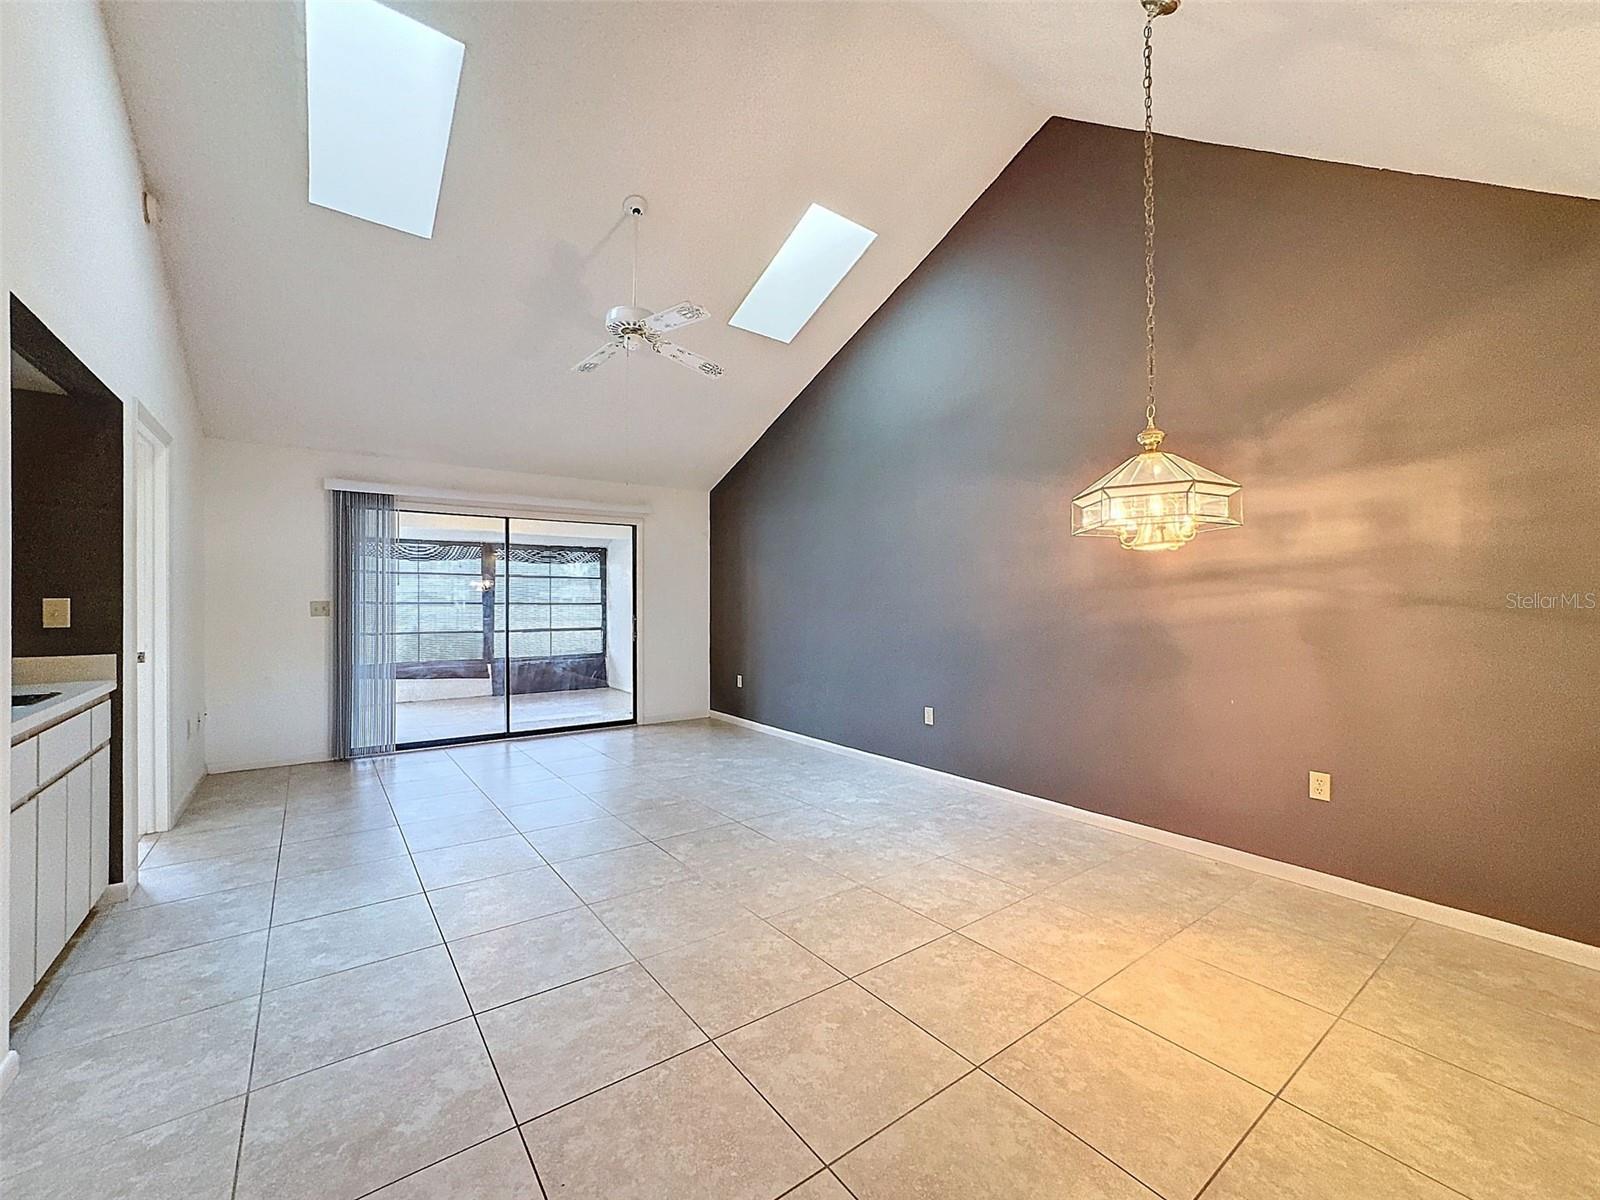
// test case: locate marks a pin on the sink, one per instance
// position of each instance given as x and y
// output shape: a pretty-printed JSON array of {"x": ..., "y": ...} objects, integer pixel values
[{"x": 24, "y": 699}]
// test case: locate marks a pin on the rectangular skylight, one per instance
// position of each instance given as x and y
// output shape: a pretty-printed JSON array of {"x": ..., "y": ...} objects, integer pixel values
[
  {"x": 380, "y": 97},
  {"x": 804, "y": 272}
]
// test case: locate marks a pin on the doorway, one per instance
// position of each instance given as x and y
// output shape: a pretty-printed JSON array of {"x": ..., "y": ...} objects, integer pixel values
[
  {"x": 510, "y": 625},
  {"x": 152, "y": 627}
]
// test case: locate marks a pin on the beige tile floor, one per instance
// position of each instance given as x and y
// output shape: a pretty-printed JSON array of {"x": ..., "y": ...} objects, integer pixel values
[
  {"x": 690, "y": 962},
  {"x": 474, "y": 716}
]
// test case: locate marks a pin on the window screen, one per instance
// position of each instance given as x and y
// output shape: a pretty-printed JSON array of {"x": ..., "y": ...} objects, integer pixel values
[{"x": 555, "y": 602}]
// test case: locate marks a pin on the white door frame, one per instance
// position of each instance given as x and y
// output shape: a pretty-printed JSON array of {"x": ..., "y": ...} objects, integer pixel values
[{"x": 156, "y": 642}]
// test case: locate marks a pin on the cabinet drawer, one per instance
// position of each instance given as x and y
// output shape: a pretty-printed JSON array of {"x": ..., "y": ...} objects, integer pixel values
[
  {"x": 65, "y": 744},
  {"x": 24, "y": 869},
  {"x": 24, "y": 769},
  {"x": 100, "y": 723}
]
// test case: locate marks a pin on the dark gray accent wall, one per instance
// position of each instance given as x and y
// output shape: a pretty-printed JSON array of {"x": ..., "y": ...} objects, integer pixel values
[
  {"x": 1405, "y": 375},
  {"x": 66, "y": 522}
]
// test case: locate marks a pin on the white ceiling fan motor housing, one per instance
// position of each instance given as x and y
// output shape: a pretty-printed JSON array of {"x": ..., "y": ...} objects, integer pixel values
[{"x": 626, "y": 320}]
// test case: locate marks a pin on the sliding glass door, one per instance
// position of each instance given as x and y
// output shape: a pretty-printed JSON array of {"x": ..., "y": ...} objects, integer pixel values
[
  {"x": 506, "y": 625},
  {"x": 569, "y": 612}
]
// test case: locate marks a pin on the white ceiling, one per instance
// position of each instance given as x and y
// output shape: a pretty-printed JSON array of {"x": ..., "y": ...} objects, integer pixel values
[
  {"x": 1497, "y": 91},
  {"x": 307, "y": 327}
]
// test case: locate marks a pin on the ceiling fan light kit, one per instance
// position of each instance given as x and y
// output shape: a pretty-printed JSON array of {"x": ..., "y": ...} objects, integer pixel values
[
  {"x": 634, "y": 328},
  {"x": 1155, "y": 500}
]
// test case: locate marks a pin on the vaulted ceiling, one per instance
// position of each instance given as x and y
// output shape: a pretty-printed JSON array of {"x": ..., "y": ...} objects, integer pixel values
[
  {"x": 1496, "y": 91},
  {"x": 307, "y": 327}
]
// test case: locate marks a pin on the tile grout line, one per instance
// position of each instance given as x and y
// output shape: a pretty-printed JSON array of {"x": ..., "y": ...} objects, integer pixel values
[
  {"x": 1278, "y": 1095},
  {"x": 714, "y": 1042},
  {"x": 505, "y": 1096},
  {"x": 845, "y": 979},
  {"x": 255, "y": 1037},
  {"x": 708, "y": 1039},
  {"x": 1084, "y": 997},
  {"x": 636, "y": 961}
]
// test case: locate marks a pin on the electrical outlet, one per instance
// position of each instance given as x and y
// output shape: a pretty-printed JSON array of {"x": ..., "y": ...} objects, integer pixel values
[
  {"x": 927, "y": 716},
  {"x": 1321, "y": 785},
  {"x": 738, "y": 681},
  {"x": 58, "y": 614},
  {"x": 322, "y": 608}
]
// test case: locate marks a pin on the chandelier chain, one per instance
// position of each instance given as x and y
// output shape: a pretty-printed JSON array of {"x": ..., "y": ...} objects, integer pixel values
[{"x": 1149, "y": 234}]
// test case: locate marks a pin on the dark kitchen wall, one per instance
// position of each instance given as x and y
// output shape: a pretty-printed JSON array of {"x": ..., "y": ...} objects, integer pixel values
[
  {"x": 1404, "y": 372},
  {"x": 66, "y": 520}
]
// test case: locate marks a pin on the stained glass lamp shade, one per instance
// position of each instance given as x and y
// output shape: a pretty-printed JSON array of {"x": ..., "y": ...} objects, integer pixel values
[{"x": 1157, "y": 500}]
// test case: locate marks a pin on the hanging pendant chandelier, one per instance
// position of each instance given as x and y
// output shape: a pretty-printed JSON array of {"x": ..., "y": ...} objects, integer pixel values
[{"x": 1155, "y": 500}]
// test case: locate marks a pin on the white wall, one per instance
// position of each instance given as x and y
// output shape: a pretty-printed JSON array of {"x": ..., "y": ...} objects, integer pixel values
[
  {"x": 267, "y": 557},
  {"x": 75, "y": 249}
]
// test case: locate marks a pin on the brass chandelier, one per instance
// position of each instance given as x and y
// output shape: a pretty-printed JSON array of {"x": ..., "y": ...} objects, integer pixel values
[{"x": 1155, "y": 500}]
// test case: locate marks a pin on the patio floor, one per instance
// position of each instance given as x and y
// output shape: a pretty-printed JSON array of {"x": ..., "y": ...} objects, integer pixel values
[{"x": 434, "y": 720}]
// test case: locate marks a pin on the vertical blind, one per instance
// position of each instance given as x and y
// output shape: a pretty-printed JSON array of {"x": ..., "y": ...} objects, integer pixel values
[{"x": 363, "y": 609}]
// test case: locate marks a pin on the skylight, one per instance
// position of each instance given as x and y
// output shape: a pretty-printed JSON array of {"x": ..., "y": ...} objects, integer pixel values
[
  {"x": 804, "y": 272},
  {"x": 380, "y": 96}
]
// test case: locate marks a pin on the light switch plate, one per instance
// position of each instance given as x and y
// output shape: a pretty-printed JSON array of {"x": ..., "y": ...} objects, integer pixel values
[
  {"x": 1321, "y": 785},
  {"x": 927, "y": 716},
  {"x": 322, "y": 608},
  {"x": 58, "y": 614},
  {"x": 738, "y": 681}
]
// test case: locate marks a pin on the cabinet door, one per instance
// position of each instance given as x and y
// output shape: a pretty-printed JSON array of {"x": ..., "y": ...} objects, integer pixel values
[
  {"x": 99, "y": 824},
  {"x": 51, "y": 916},
  {"x": 79, "y": 789},
  {"x": 24, "y": 882}
]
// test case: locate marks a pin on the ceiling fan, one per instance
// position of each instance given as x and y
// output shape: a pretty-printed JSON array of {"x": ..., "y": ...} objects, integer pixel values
[{"x": 634, "y": 328}]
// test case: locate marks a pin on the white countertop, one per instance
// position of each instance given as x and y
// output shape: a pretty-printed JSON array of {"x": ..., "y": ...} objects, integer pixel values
[{"x": 70, "y": 698}]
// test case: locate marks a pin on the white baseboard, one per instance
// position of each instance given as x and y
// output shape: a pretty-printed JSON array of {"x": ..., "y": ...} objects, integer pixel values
[
  {"x": 1581, "y": 953},
  {"x": 176, "y": 814},
  {"x": 264, "y": 765},
  {"x": 667, "y": 719},
  {"x": 9, "y": 1066}
]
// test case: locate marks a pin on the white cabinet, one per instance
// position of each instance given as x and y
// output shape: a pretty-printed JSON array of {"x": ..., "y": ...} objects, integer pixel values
[
  {"x": 99, "y": 823},
  {"x": 24, "y": 769},
  {"x": 62, "y": 745},
  {"x": 50, "y": 911},
  {"x": 79, "y": 823},
  {"x": 60, "y": 839},
  {"x": 100, "y": 723},
  {"x": 24, "y": 860}
]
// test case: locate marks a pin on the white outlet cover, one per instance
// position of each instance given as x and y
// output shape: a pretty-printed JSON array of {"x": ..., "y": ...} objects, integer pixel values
[
  {"x": 1321, "y": 785},
  {"x": 927, "y": 716}
]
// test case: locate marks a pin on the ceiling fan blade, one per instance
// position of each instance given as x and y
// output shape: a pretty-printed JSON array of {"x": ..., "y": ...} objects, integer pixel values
[
  {"x": 594, "y": 360},
  {"x": 687, "y": 357},
  {"x": 676, "y": 317}
]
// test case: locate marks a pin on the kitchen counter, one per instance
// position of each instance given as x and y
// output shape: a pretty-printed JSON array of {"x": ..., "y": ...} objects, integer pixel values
[{"x": 70, "y": 698}]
